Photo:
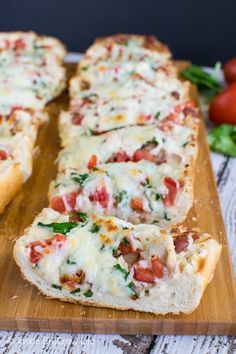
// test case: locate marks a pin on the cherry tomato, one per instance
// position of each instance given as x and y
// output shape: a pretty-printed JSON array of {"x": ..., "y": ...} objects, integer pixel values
[
  {"x": 144, "y": 274},
  {"x": 57, "y": 204},
  {"x": 223, "y": 106},
  {"x": 3, "y": 155},
  {"x": 35, "y": 256},
  {"x": 157, "y": 267},
  {"x": 122, "y": 157},
  {"x": 101, "y": 196},
  {"x": 137, "y": 204},
  {"x": 230, "y": 70},
  {"x": 172, "y": 191},
  {"x": 143, "y": 155},
  {"x": 92, "y": 161}
]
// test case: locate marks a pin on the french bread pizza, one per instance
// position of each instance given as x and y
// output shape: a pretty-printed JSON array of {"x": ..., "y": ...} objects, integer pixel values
[
  {"x": 135, "y": 191},
  {"x": 108, "y": 262},
  {"x": 31, "y": 74}
]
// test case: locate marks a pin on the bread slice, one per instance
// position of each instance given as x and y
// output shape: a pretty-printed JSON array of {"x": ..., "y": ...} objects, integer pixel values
[
  {"x": 140, "y": 192},
  {"x": 11, "y": 180},
  {"x": 107, "y": 262},
  {"x": 30, "y": 42},
  {"x": 31, "y": 70}
]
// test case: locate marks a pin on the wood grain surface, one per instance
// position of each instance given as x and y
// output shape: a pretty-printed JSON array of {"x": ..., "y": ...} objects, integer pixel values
[{"x": 23, "y": 308}]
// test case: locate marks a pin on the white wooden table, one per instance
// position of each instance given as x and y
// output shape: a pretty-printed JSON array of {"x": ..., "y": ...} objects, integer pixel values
[{"x": 71, "y": 343}]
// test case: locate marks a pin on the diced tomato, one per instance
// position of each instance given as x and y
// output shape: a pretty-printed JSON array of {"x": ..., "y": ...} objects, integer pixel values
[
  {"x": 137, "y": 204},
  {"x": 7, "y": 44},
  {"x": 57, "y": 204},
  {"x": 92, "y": 162},
  {"x": 101, "y": 196},
  {"x": 35, "y": 256},
  {"x": 171, "y": 185},
  {"x": 125, "y": 247},
  {"x": 58, "y": 240},
  {"x": 157, "y": 267},
  {"x": 19, "y": 44},
  {"x": 72, "y": 280},
  {"x": 122, "y": 157},
  {"x": 71, "y": 199},
  {"x": 3, "y": 155},
  {"x": 143, "y": 274},
  {"x": 77, "y": 119},
  {"x": 143, "y": 155},
  {"x": 181, "y": 243}
]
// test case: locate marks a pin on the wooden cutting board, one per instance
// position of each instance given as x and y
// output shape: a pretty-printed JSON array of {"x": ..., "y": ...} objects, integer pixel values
[{"x": 23, "y": 308}]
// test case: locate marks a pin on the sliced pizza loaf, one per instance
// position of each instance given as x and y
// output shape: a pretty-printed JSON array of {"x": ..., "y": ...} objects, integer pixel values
[
  {"x": 134, "y": 191},
  {"x": 134, "y": 144},
  {"x": 108, "y": 262}
]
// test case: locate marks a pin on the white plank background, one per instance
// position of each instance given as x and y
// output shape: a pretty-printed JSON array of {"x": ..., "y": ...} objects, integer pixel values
[{"x": 14, "y": 342}]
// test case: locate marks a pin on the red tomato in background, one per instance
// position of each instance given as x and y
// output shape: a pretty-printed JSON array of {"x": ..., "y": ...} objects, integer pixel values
[
  {"x": 230, "y": 70},
  {"x": 223, "y": 106}
]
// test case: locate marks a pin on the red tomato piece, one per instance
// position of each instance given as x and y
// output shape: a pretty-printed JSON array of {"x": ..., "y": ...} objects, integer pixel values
[
  {"x": 143, "y": 274},
  {"x": 35, "y": 256},
  {"x": 71, "y": 199},
  {"x": 122, "y": 157},
  {"x": 181, "y": 243},
  {"x": 230, "y": 70},
  {"x": 222, "y": 107},
  {"x": 125, "y": 247},
  {"x": 58, "y": 240},
  {"x": 143, "y": 155},
  {"x": 171, "y": 185},
  {"x": 3, "y": 155},
  {"x": 92, "y": 162},
  {"x": 57, "y": 204},
  {"x": 7, "y": 44},
  {"x": 19, "y": 44},
  {"x": 101, "y": 196},
  {"x": 77, "y": 119},
  {"x": 157, "y": 267},
  {"x": 137, "y": 204}
]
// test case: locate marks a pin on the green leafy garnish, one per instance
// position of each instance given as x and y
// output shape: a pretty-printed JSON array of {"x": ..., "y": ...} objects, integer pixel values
[
  {"x": 79, "y": 178},
  {"x": 125, "y": 241},
  {"x": 59, "y": 227},
  {"x": 202, "y": 79},
  {"x": 132, "y": 288},
  {"x": 155, "y": 221},
  {"x": 55, "y": 286},
  {"x": 102, "y": 248},
  {"x": 223, "y": 139},
  {"x": 185, "y": 144},
  {"x": 166, "y": 217},
  {"x": 75, "y": 291},
  {"x": 70, "y": 262},
  {"x": 90, "y": 96},
  {"x": 94, "y": 228},
  {"x": 84, "y": 68},
  {"x": 158, "y": 196},
  {"x": 120, "y": 196},
  {"x": 125, "y": 228},
  {"x": 122, "y": 270},
  {"x": 157, "y": 115},
  {"x": 147, "y": 183},
  {"x": 88, "y": 293}
]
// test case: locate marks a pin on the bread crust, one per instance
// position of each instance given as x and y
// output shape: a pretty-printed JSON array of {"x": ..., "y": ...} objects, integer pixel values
[{"x": 10, "y": 184}]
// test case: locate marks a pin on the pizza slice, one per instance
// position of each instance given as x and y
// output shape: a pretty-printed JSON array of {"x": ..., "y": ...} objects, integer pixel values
[
  {"x": 122, "y": 47},
  {"x": 134, "y": 144},
  {"x": 108, "y": 262},
  {"x": 135, "y": 191}
]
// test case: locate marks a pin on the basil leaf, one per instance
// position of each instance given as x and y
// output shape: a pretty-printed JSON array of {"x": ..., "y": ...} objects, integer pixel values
[
  {"x": 55, "y": 286},
  {"x": 125, "y": 241},
  {"x": 61, "y": 228},
  {"x": 201, "y": 78},
  {"x": 157, "y": 115},
  {"x": 79, "y": 178},
  {"x": 132, "y": 288},
  {"x": 94, "y": 228},
  {"x": 88, "y": 293},
  {"x": 223, "y": 139},
  {"x": 122, "y": 270},
  {"x": 75, "y": 291},
  {"x": 120, "y": 196},
  {"x": 70, "y": 262}
]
